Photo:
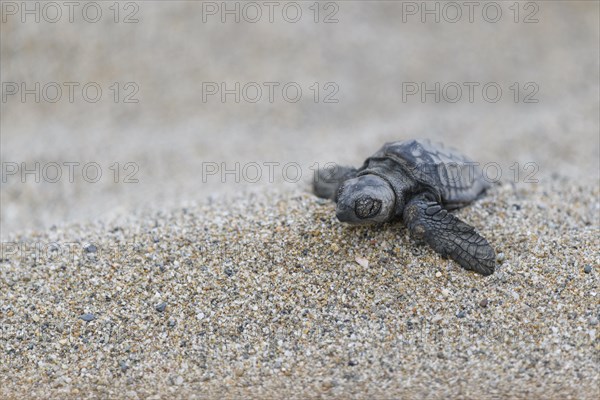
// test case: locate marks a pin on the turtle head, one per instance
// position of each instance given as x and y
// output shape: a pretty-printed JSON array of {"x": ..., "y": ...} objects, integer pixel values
[{"x": 367, "y": 199}]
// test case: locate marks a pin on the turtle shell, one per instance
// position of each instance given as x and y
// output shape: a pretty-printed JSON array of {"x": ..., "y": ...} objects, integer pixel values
[{"x": 455, "y": 178}]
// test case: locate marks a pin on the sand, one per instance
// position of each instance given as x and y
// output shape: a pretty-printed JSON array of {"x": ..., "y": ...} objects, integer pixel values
[{"x": 271, "y": 297}]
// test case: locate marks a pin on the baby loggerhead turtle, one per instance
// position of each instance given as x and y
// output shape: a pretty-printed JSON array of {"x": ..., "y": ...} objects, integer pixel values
[{"x": 417, "y": 182}]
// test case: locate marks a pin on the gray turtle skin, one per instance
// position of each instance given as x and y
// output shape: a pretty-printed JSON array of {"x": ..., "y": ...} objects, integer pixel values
[{"x": 416, "y": 182}]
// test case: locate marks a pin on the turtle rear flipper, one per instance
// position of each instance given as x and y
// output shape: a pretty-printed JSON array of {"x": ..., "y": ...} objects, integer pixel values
[
  {"x": 448, "y": 235},
  {"x": 328, "y": 180}
]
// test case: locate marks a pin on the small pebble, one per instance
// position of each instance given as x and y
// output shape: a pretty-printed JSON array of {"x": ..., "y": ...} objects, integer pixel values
[
  {"x": 363, "y": 262},
  {"x": 483, "y": 303},
  {"x": 461, "y": 314},
  {"x": 123, "y": 365},
  {"x": 161, "y": 307},
  {"x": 326, "y": 385},
  {"x": 90, "y": 248},
  {"x": 88, "y": 317},
  {"x": 438, "y": 274},
  {"x": 500, "y": 257},
  {"x": 587, "y": 269}
]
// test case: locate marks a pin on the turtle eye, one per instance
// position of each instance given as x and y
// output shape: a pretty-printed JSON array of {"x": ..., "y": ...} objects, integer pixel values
[{"x": 367, "y": 207}]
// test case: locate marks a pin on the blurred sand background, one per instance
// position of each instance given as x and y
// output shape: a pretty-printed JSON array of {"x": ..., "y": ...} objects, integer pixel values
[
  {"x": 255, "y": 289},
  {"x": 368, "y": 53}
]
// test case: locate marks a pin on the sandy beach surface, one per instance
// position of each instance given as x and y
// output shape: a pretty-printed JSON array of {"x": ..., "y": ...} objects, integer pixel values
[
  {"x": 271, "y": 297},
  {"x": 179, "y": 273}
]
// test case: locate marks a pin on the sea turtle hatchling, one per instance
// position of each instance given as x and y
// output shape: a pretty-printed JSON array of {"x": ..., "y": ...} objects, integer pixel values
[{"x": 418, "y": 182}]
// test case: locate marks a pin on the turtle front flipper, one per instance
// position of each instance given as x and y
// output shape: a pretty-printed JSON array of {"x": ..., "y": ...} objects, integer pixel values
[
  {"x": 449, "y": 236},
  {"x": 327, "y": 181}
]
